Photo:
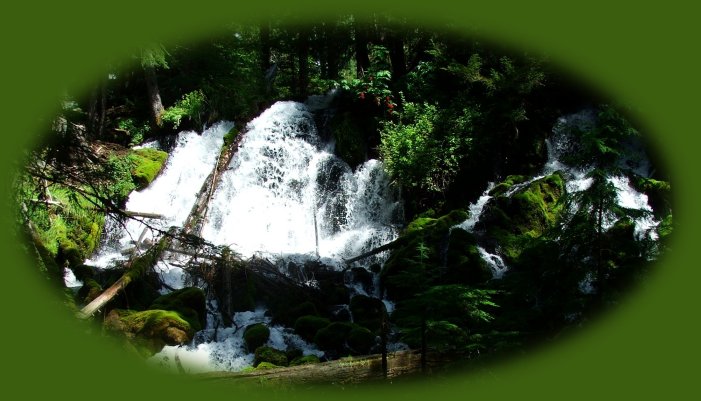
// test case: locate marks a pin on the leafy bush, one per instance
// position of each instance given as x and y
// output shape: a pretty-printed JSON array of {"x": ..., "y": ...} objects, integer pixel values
[
  {"x": 137, "y": 132},
  {"x": 191, "y": 105}
]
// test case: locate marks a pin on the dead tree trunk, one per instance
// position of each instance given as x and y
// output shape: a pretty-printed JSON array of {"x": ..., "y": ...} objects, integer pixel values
[
  {"x": 153, "y": 93},
  {"x": 195, "y": 220}
]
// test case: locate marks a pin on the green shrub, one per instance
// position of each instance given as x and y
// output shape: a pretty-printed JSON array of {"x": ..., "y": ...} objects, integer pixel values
[
  {"x": 191, "y": 105},
  {"x": 307, "y": 326}
]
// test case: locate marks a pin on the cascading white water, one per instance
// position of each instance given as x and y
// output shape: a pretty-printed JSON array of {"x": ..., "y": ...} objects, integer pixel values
[
  {"x": 171, "y": 194},
  {"x": 476, "y": 209},
  {"x": 224, "y": 349},
  {"x": 561, "y": 143},
  {"x": 286, "y": 195}
]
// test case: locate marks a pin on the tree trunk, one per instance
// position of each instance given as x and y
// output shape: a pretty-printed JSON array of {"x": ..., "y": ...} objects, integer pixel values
[
  {"x": 265, "y": 46},
  {"x": 362, "y": 57},
  {"x": 397, "y": 56},
  {"x": 153, "y": 94},
  {"x": 303, "y": 62}
]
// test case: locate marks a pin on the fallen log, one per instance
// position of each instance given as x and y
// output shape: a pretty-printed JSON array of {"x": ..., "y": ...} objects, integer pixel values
[
  {"x": 135, "y": 268},
  {"x": 195, "y": 220},
  {"x": 382, "y": 248},
  {"x": 342, "y": 371}
]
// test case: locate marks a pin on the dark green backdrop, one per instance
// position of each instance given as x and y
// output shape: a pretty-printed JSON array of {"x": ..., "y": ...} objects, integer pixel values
[{"x": 643, "y": 55}]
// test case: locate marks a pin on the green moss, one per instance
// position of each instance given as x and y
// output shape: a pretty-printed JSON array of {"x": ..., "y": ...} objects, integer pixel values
[
  {"x": 269, "y": 355},
  {"x": 305, "y": 360},
  {"x": 504, "y": 186},
  {"x": 418, "y": 256},
  {"x": 256, "y": 335},
  {"x": 230, "y": 136},
  {"x": 367, "y": 311},
  {"x": 307, "y": 326},
  {"x": 146, "y": 164},
  {"x": 189, "y": 302},
  {"x": 266, "y": 366},
  {"x": 333, "y": 336},
  {"x": 150, "y": 329},
  {"x": 514, "y": 222}
]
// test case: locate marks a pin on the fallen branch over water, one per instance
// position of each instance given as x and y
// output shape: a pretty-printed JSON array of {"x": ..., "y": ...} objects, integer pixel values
[{"x": 135, "y": 268}]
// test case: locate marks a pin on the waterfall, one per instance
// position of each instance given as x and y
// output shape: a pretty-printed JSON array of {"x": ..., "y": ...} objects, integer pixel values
[
  {"x": 171, "y": 194},
  {"x": 286, "y": 196}
]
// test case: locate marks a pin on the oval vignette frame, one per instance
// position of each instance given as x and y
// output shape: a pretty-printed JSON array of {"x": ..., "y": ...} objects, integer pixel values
[{"x": 641, "y": 348}]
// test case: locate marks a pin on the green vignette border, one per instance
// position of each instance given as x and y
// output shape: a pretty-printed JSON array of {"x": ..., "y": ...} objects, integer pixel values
[{"x": 636, "y": 54}]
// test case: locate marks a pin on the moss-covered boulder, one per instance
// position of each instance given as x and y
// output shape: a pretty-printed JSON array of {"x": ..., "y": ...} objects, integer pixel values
[
  {"x": 304, "y": 360},
  {"x": 150, "y": 330},
  {"x": 361, "y": 340},
  {"x": 270, "y": 355},
  {"x": 512, "y": 222},
  {"x": 146, "y": 164},
  {"x": 333, "y": 337},
  {"x": 189, "y": 302},
  {"x": 505, "y": 186},
  {"x": 419, "y": 254},
  {"x": 367, "y": 311},
  {"x": 255, "y": 335},
  {"x": 307, "y": 326}
]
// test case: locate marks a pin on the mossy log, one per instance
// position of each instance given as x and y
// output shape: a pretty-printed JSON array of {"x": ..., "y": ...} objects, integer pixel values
[{"x": 135, "y": 268}]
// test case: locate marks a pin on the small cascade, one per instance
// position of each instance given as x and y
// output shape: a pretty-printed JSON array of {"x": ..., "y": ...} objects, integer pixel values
[
  {"x": 223, "y": 349},
  {"x": 562, "y": 144},
  {"x": 495, "y": 262},
  {"x": 476, "y": 209}
]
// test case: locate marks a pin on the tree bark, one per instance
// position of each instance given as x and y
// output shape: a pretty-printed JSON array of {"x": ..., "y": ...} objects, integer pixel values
[
  {"x": 265, "y": 46},
  {"x": 397, "y": 56},
  {"x": 153, "y": 94},
  {"x": 362, "y": 57}
]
